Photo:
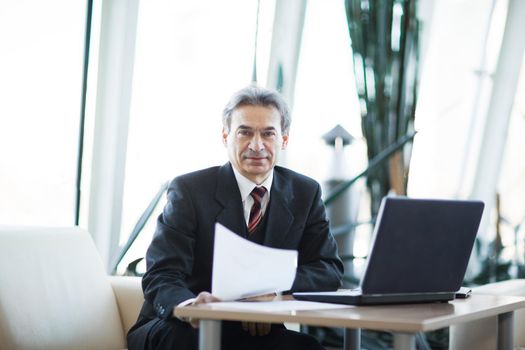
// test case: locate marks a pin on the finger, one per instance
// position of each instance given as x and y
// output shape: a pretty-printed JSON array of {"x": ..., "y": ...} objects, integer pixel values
[
  {"x": 201, "y": 298},
  {"x": 205, "y": 297},
  {"x": 194, "y": 322},
  {"x": 244, "y": 325},
  {"x": 252, "y": 327}
]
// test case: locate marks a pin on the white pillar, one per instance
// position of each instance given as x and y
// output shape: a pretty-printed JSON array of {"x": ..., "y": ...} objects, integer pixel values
[
  {"x": 284, "y": 55},
  {"x": 499, "y": 110},
  {"x": 115, "y": 71},
  {"x": 286, "y": 43}
]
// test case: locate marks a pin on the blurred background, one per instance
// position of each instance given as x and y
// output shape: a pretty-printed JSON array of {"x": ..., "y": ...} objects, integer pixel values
[{"x": 103, "y": 102}]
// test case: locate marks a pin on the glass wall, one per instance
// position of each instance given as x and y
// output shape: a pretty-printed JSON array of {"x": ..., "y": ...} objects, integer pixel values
[
  {"x": 190, "y": 57},
  {"x": 511, "y": 188},
  {"x": 41, "y": 60},
  {"x": 325, "y": 94},
  {"x": 461, "y": 50}
]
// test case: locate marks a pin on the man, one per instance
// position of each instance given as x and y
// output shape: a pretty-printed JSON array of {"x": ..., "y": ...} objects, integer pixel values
[{"x": 285, "y": 211}]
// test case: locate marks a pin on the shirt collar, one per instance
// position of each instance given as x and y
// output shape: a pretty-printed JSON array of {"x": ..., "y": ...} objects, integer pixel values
[{"x": 246, "y": 186}]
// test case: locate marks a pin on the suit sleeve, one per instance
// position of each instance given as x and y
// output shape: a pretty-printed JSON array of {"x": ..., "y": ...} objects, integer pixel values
[
  {"x": 319, "y": 266},
  {"x": 169, "y": 258}
]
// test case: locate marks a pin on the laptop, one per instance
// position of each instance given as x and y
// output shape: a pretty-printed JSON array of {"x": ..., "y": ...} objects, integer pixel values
[{"x": 420, "y": 251}]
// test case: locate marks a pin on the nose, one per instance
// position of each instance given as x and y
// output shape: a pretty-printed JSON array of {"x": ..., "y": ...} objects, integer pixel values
[{"x": 256, "y": 143}]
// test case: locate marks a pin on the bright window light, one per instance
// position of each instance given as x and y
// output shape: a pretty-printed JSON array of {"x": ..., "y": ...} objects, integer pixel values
[{"x": 42, "y": 46}]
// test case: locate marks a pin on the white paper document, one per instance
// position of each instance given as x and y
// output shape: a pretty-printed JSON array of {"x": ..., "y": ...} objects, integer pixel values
[
  {"x": 243, "y": 269},
  {"x": 283, "y": 305}
]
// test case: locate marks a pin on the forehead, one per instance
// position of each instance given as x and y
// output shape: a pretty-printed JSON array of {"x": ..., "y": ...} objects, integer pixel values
[{"x": 256, "y": 116}]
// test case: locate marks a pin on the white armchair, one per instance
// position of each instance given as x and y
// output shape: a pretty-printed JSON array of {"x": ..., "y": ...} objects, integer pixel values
[
  {"x": 55, "y": 294},
  {"x": 482, "y": 334}
]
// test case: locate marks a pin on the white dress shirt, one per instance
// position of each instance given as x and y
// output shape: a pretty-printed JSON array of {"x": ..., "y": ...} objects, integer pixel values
[{"x": 246, "y": 186}]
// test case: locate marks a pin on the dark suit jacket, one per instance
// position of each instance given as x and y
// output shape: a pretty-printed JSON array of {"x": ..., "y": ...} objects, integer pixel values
[{"x": 179, "y": 259}]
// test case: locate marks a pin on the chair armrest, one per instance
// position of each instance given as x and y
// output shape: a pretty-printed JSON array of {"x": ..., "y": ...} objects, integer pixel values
[
  {"x": 510, "y": 287},
  {"x": 482, "y": 334},
  {"x": 128, "y": 292}
]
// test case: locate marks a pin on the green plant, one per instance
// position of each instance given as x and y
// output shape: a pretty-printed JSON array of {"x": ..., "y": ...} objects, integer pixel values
[{"x": 384, "y": 37}]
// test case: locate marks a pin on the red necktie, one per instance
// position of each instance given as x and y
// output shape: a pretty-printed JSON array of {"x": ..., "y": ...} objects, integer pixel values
[{"x": 256, "y": 211}]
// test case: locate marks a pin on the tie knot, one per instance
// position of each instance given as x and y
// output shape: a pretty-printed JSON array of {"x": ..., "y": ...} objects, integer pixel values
[{"x": 257, "y": 193}]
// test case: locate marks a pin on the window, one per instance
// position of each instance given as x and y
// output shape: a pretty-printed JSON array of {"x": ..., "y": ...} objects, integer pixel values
[
  {"x": 42, "y": 45},
  {"x": 190, "y": 57}
]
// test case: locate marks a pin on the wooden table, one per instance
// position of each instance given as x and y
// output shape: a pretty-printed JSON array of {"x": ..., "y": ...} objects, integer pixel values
[{"x": 403, "y": 320}]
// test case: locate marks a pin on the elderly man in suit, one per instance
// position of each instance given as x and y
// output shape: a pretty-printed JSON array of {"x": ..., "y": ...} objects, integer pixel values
[{"x": 253, "y": 197}]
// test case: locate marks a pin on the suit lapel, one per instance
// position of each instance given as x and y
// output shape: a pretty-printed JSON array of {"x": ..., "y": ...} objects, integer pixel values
[
  {"x": 280, "y": 217},
  {"x": 228, "y": 195}
]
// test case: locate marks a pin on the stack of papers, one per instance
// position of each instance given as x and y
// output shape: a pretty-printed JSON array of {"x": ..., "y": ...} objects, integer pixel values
[{"x": 243, "y": 269}]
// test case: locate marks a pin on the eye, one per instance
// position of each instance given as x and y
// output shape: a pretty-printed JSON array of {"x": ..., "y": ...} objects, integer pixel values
[
  {"x": 244, "y": 132},
  {"x": 268, "y": 133}
]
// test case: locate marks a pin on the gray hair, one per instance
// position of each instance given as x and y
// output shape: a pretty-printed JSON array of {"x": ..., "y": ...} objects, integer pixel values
[{"x": 257, "y": 96}]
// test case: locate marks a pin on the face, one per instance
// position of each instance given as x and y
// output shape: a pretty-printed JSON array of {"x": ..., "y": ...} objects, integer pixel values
[{"x": 254, "y": 141}]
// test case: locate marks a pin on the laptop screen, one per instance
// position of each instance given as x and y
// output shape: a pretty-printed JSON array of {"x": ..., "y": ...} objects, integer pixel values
[{"x": 421, "y": 245}]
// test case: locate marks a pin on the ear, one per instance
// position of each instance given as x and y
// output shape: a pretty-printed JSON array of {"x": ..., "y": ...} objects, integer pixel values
[
  {"x": 285, "y": 142},
  {"x": 224, "y": 137}
]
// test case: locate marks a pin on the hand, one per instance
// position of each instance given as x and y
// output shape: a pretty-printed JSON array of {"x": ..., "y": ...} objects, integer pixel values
[
  {"x": 256, "y": 328},
  {"x": 202, "y": 298}
]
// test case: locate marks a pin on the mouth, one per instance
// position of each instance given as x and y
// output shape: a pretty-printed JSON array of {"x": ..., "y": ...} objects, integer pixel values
[
  {"x": 255, "y": 156},
  {"x": 256, "y": 161}
]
